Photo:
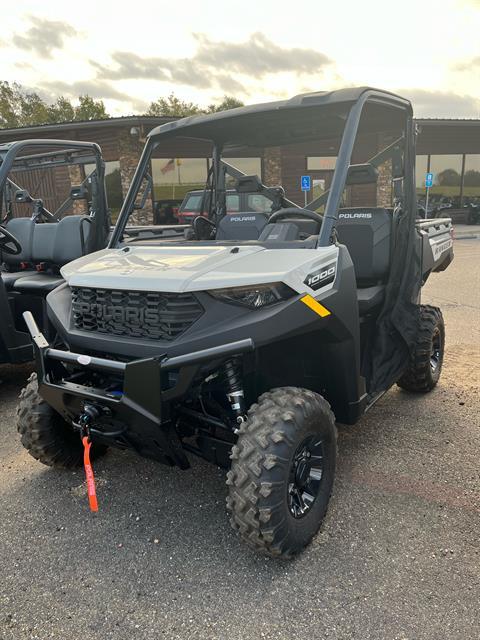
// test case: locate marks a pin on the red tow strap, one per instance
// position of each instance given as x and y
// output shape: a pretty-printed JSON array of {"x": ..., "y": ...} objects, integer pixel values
[{"x": 92, "y": 494}]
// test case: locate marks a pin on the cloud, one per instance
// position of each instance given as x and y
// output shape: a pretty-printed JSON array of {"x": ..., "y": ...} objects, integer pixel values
[
  {"x": 258, "y": 56},
  {"x": 442, "y": 104},
  {"x": 44, "y": 36},
  {"x": 255, "y": 58},
  {"x": 468, "y": 65},
  {"x": 94, "y": 88}
]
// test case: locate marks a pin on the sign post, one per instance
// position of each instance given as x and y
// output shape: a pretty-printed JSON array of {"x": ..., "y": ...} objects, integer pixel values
[
  {"x": 306, "y": 185},
  {"x": 428, "y": 184}
]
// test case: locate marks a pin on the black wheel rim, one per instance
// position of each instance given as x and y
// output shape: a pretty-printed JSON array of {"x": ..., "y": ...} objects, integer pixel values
[
  {"x": 305, "y": 477},
  {"x": 436, "y": 352}
]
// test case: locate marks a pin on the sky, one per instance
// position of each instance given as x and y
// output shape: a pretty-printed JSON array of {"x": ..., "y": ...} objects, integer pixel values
[{"x": 257, "y": 51}]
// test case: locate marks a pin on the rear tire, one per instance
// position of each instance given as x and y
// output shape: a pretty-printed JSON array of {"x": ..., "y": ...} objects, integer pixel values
[
  {"x": 46, "y": 435},
  {"x": 426, "y": 362},
  {"x": 284, "y": 456}
]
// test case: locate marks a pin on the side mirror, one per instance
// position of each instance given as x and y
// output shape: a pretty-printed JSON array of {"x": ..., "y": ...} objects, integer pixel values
[
  {"x": 362, "y": 174},
  {"x": 22, "y": 195},
  {"x": 79, "y": 193}
]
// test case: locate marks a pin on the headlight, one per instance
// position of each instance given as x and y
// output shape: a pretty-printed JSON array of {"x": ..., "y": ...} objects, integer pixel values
[{"x": 255, "y": 296}]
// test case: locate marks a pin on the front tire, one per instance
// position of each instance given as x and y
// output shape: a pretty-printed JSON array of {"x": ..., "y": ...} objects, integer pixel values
[
  {"x": 426, "y": 362},
  {"x": 46, "y": 435},
  {"x": 282, "y": 472}
]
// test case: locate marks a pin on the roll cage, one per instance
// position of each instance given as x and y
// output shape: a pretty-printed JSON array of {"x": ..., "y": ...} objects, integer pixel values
[
  {"x": 303, "y": 118},
  {"x": 55, "y": 153}
]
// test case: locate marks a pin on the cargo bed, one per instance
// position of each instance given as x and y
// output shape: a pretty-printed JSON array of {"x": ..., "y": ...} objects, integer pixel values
[{"x": 437, "y": 237}]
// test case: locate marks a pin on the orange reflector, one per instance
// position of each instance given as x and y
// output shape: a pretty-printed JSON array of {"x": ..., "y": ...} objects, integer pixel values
[{"x": 315, "y": 306}]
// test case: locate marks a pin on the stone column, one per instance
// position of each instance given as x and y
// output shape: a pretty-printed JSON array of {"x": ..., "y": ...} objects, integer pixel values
[
  {"x": 130, "y": 150},
  {"x": 385, "y": 174},
  {"x": 272, "y": 166},
  {"x": 77, "y": 176},
  {"x": 384, "y": 185}
]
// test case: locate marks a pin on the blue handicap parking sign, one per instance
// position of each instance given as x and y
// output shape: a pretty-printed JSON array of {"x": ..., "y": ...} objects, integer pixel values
[
  {"x": 429, "y": 180},
  {"x": 306, "y": 183}
]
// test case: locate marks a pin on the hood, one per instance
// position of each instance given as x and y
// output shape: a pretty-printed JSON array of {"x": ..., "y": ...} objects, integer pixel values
[{"x": 182, "y": 268}]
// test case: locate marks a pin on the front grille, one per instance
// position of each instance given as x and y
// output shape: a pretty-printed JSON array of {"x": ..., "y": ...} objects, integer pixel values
[{"x": 136, "y": 314}]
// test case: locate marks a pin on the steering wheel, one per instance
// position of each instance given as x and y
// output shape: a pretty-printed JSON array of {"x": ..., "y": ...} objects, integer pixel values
[
  {"x": 203, "y": 228},
  {"x": 294, "y": 211},
  {"x": 8, "y": 243}
]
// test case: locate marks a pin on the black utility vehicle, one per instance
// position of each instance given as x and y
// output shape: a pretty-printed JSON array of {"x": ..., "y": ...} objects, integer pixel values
[
  {"x": 34, "y": 246},
  {"x": 246, "y": 340}
]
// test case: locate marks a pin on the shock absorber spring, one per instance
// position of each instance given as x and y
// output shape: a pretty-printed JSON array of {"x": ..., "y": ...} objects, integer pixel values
[{"x": 235, "y": 395}]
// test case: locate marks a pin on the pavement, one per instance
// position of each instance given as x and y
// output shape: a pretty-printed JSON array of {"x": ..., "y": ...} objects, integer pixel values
[
  {"x": 466, "y": 231},
  {"x": 396, "y": 559}
]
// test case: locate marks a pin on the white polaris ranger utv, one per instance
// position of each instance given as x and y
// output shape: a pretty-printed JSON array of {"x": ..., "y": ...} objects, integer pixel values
[{"x": 244, "y": 341}]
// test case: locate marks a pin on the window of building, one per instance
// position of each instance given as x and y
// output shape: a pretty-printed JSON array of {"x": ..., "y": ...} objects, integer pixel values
[
  {"x": 321, "y": 163},
  {"x": 447, "y": 178},
  {"x": 174, "y": 177},
  {"x": 248, "y": 166},
  {"x": 471, "y": 179},
  {"x": 421, "y": 170}
]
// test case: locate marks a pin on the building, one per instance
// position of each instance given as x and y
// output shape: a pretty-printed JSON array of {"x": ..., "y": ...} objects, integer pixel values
[{"x": 449, "y": 148}]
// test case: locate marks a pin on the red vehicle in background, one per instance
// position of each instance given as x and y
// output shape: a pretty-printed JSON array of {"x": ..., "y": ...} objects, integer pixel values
[{"x": 236, "y": 202}]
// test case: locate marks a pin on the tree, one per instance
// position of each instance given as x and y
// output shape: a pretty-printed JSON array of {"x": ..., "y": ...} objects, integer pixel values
[
  {"x": 90, "y": 109},
  {"x": 22, "y": 108},
  {"x": 172, "y": 106},
  {"x": 19, "y": 108},
  {"x": 228, "y": 102},
  {"x": 8, "y": 115},
  {"x": 449, "y": 178},
  {"x": 472, "y": 178},
  {"x": 61, "y": 111},
  {"x": 33, "y": 110}
]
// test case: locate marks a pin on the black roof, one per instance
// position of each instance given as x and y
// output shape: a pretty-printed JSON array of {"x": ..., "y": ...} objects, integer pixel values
[
  {"x": 122, "y": 121},
  {"x": 448, "y": 121},
  {"x": 283, "y": 121}
]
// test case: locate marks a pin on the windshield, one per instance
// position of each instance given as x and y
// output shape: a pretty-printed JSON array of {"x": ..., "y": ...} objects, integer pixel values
[
  {"x": 308, "y": 170},
  {"x": 193, "y": 203}
]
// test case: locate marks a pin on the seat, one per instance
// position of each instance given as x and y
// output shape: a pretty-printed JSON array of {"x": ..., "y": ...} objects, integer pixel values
[
  {"x": 10, "y": 277},
  {"x": 54, "y": 244},
  {"x": 367, "y": 234},
  {"x": 71, "y": 239},
  {"x": 369, "y": 298},
  {"x": 38, "y": 284},
  {"x": 241, "y": 226},
  {"x": 22, "y": 229}
]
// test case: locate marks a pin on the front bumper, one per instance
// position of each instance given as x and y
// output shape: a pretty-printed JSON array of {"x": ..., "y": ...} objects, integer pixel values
[{"x": 134, "y": 407}]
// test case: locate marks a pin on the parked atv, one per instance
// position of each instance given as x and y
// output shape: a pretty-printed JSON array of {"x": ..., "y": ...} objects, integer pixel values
[
  {"x": 245, "y": 341},
  {"x": 35, "y": 246}
]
